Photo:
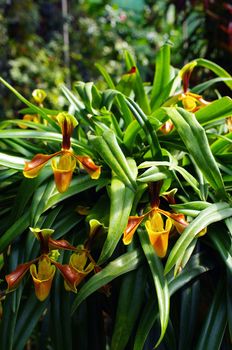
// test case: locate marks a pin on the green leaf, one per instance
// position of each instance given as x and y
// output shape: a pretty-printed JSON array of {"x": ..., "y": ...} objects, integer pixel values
[
  {"x": 27, "y": 320},
  {"x": 216, "y": 212},
  {"x": 107, "y": 146},
  {"x": 214, "y": 68},
  {"x": 125, "y": 263},
  {"x": 190, "y": 208},
  {"x": 121, "y": 203},
  {"x": 198, "y": 89},
  {"x": 196, "y": 142},
  {"x": 140, "y": 94},
  {"x": 215, "y": 323},
  {"x": 154, "y": 174},
  {"x": 216, "y": 110},
  {"x": 106, "y": 76},
  {"x": 44, "y": 135},
  {"x": 198, "y": 264},
  {"x": 147, "y": 127},
  {"x": 161, "y": 78},
  {"x": 39, "y": 201},
  {"x": 79, "y": 184},
  {"x": 222, "y": 241},
  {"x": 160, "y": 282},
  {"x": 190, "y": 297},
  {"x": 220, "y": 145},
  {"x": 85, "y": 91},
  {"x": 229, "y": 302},
  {"x": 130, "y": 301},
  {"x": 15, "y": 230},
  {"x": 12, "y": 161}
]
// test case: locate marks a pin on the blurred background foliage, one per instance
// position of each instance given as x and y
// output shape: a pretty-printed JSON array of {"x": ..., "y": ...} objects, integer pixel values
[{"x": 46, "y": 43}]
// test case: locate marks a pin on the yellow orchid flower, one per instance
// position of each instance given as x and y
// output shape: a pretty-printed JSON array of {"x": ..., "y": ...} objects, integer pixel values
[
  {"x": 43, "y": 268},
  {"x": 157, "y": 231},
  {"x": 39, "y": 96},
  {"x": 64, "y": 167},
  {"x": 192, "y": 102}
]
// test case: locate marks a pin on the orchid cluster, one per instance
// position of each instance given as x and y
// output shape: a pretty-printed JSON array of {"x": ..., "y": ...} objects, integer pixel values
[
  {"x": 64, "y": 167},
  {"x": 43, "y": 268}
]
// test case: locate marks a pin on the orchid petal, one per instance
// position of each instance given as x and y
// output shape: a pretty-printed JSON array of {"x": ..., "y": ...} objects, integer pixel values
[
  {"x": 132, "y": 225},
  {"x": 88, "y": 164},
  {"x": 69, "y": 274},
  {"x": 179, "y": 221},
  {"x": 33, "y": 167},
  {"x": 14, "y": 278}
]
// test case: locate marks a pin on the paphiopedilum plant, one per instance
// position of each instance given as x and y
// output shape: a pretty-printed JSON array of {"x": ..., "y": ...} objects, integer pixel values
[
  {"x": 64, "y": 167},
  {"x": 43, "y": 268},
  {"x": 123, "y": 125}
]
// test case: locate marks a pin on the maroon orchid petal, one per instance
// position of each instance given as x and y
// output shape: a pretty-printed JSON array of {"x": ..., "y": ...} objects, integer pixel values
[
  {"x": 33, "y": 167},
  {"x": 70, "y": 276},
  {"x": 14, "y": 278},
  {"x": 60, "y": 244},
  {"x": 132, "y": 225},
  {"x": 88, "y": 164}
]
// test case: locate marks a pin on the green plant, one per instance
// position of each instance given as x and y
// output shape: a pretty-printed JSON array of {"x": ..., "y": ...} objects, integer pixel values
[{"x": 164, "y": 154}]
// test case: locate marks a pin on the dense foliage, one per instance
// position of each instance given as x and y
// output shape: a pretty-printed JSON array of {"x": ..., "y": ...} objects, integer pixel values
[
  {"x": 33, "y": 53},
  {"x": 134, "y": 212}
]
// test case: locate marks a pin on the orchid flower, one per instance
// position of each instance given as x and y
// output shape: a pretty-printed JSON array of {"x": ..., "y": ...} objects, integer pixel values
[
  {"x": 158, "y": 231},
  {"x": 43, "y": 268},
  {"x": 64, "y": 161}
]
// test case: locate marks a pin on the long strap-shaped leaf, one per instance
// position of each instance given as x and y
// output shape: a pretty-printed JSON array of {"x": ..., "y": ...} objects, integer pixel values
[
  {"x": 214, "y": 68},
  {"x": 160, "y": 282},
  {"x": 121, "y": 203},
  {"x": 161, "y": 78},
  {"x": 140, "y": 94},
  {"x": 15, "y": 230},
  {"x": 27, "y": 320},
  {"x": 215, "y": 323},
  {"x": 195, "y": 140},
  {"x": 216, "y": 110},
  {"x": 125, "y": 263},
  {"x": 131, "y": 299},
  {"x": 198, "y": 264},
  {"x": 216, "y": 212},
  {"x": 108, "y": 147},
  {"x": 147, "y": 127},
  {"x": 43, "y": 135}
]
